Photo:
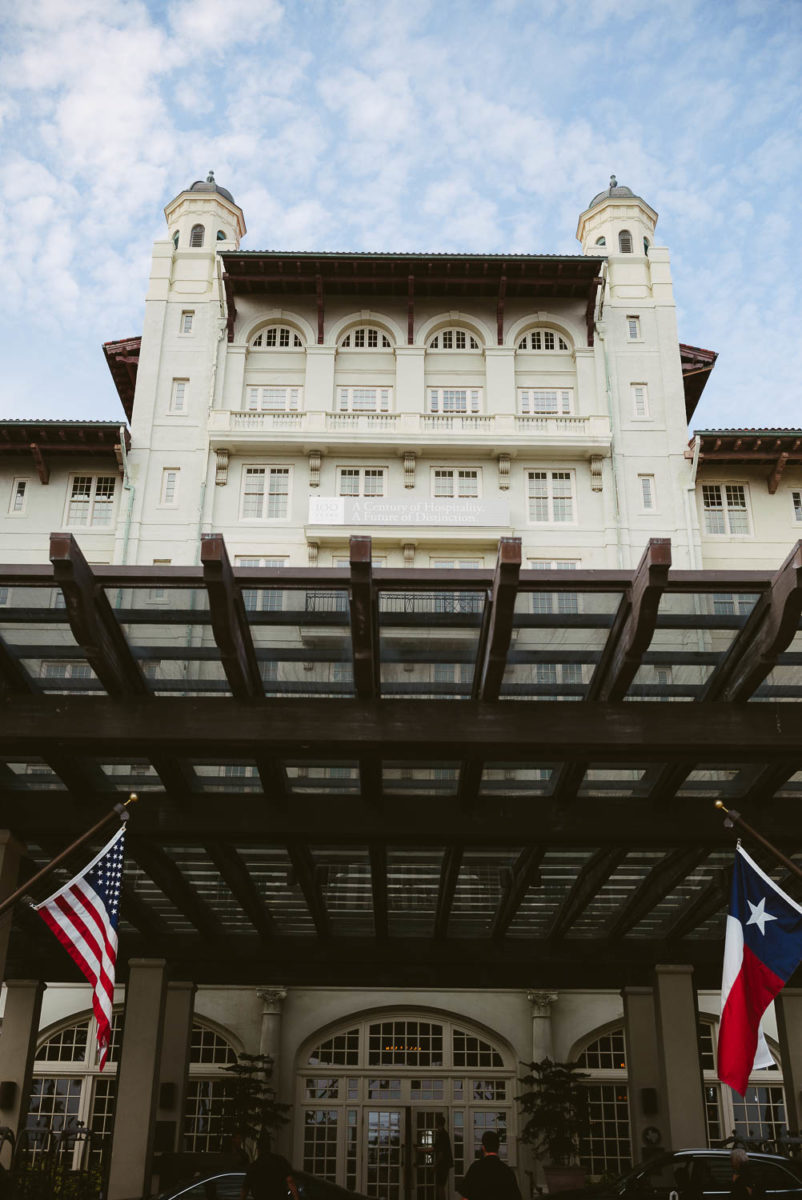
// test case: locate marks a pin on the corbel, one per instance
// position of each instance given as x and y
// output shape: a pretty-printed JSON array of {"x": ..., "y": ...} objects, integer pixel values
[
  {"x": 314, "y": 468},
  {"x": 221, "y": 468},
  {"x": 596, "y": 481},
  {"x": 409, "y": 470},
  {"x": 504, "y": 472}
]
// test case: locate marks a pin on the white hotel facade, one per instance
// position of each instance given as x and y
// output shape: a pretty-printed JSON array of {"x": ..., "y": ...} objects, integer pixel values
[{"x": 287, "y": 401}]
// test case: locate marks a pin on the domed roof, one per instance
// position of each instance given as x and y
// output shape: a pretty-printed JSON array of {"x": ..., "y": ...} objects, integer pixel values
[
  {"x": 615, "y": 189},
  {"x": 208, "y": 185}
]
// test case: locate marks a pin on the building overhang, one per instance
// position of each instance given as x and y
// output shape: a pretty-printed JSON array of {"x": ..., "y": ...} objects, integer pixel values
[
  {"x": 45, "y": 442},
  {"x": 402, "y": 775},
  {"x": 772, "y": 448},
  {"x": 122, "y": 358},
  {"x": 494, "y": 277},
  {"x": 697, "y": 367}
]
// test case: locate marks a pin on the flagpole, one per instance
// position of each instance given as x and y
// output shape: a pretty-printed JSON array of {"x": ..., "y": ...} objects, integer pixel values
[
  {"x": 118, "y": 810},
  {"x": 735, "y": 818}
]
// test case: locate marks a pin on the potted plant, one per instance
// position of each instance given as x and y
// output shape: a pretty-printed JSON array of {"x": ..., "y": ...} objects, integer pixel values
[{"x": 554, "y": 1105}]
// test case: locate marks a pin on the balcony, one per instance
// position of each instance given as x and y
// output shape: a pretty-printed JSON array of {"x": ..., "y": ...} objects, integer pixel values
[{"x": 559, "y": 436}]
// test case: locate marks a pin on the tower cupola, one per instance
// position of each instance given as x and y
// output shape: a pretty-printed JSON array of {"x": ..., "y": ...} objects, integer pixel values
[
  {"x": 617, "y": 222},
  {"x": 206, "y": 217}
]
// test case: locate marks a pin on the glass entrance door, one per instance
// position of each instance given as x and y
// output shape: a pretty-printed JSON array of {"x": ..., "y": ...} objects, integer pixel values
[
  {"x": 384, "y": 1153},
  {"x": 423, "y": 1130}
]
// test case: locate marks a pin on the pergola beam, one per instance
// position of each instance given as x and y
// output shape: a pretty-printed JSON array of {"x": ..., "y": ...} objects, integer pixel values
[
  {"x": 492, "y": 663},
  {"x": 592, "y": 877},
  {"x": 449, "y": 874},
  {"x": 169, "y": 879},
  {"x": 524, "y": 874},
  {"x": 660, "y": 882},
  {"x": 229, "y": 621},
  {"x": 238, "y": 880},
  {"x": 378, "y": 883},
  {"x": 304, "y": 869},
  {"x": 365, "y": 649},
  {"x": 698, "y": 910}
]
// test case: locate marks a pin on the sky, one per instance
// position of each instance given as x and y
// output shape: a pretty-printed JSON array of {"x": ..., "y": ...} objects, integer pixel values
[{"x": 399, "y": 125}]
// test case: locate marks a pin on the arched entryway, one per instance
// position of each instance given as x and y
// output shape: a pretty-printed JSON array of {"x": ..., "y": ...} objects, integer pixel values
[{"x": 369, "y": 1090}]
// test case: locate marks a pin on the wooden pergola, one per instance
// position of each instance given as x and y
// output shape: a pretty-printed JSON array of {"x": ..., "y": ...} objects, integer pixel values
[{"x": 402, "y": 776}]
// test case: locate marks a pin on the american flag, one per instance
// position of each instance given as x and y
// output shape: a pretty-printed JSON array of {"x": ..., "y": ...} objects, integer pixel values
[{"x": 83, "y": 915}]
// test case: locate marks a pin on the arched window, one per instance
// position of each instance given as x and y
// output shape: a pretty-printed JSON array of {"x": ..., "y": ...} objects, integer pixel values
[
  {"x": 760, "y": 1114},
  {"x": 602, "y": 241},
  {"x": 625, "y": 241},
  {"x": 196, "y": 236},
  {"x": 355, "y": 1084},
  {"x": 543, "y": 339},
  {"x": 277, "y": 337},
  {"x": 606, "y": 1146},
  {"x": 453, "y": 339},
  {"x": 221, "y": 235},
  {"x": 175, "y": 239},
  {"x": 209, "y": 1090},
  {"x": 366, "y": 337}
]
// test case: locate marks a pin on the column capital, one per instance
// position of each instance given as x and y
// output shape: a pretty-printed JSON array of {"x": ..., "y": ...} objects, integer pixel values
[
  {"x": 272, "y": 998},
  {"x": 541, "y": 1002}
]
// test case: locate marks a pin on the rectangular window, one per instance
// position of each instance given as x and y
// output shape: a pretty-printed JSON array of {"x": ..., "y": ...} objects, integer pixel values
[
  {"x": 91, "y": 500},
  {"x": 19, "y": 494},
  {"x": 362, "y": 481},
  {"x": 455, "y": 484},
  {"x": 265, "y": 493},
  {"x": 551, "y": 602},
  {"x": 187, "y": 319},
  {"x": 640, "y": 401},
  {"x": 633, "y": 328},
  {"x": 274, "y": 399},
  {"x": 158, "y": 595},
  {"x": 796, "y": 500},
  {"x": 725, "y": 509},
  {"x": 551, "y": 497},
  {"x": 647, "y": 494},
  {"x": 364, "y": 399},
  {"x": 169, "y": 493},
  {"x": 546, "y": 401},
  {"x": 455, "y": 400},
  {"x": 178, "y": 396}
]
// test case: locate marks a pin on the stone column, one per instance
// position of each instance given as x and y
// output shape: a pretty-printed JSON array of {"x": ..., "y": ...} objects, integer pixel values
[
  {"x": 174, "y": 1064},
  {"x": 270, "y": 1035},
  {"x": 17, "y": 1049},
  {"x": 788, "y": 1009},
  {"x": 138, "y": 1080},
  {"x": 11, "y": 852},
  {"x": 647, "y": 1105},
  {"x": 542, "y": 1039},
  {"x": 678, "y": 1049}
]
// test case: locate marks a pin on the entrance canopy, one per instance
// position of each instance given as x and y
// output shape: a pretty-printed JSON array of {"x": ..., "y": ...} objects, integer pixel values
[{"x": 402, "y": 776}]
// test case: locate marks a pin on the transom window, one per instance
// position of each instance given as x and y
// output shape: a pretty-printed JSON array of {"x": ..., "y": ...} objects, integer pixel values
[
  {"x": 366, "y": 337},
  {"x": 551, "y": 497},
  {"x": 453, "y": 339},
  {"x": 364, "y": 399},
  {"x": 362, "y": 481},
  {"x": 265, "y": 493},
  {"x": 725, "y": 509},
  {"x": 273, "y": 399},
  {"x": 608, "y": 1053},
  {"x": 449, "y": 483},
  {"x": 546, "y": 401},
  {"x": 277, "y": 337},
  {"x": 455, "y": 400},
  {"x": 543, "y": 339},
  {"x": 91, "y": 500}
]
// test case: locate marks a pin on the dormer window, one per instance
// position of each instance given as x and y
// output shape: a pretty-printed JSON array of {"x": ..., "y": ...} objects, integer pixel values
[
  {"x": 625, "y": 241},
  {"x": 366, "y": 337},
  {"x": 196, "y": 236},
  {"x": 277, "y": 337},
  {"x": 543, "y": 339},
  {"x": 454, "y": 339}
]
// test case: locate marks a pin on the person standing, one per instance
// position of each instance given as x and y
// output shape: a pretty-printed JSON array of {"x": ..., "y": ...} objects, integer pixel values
[
  {"x": 443, "y": 1157},
  {"x": 269, "y": 1177},
  {"x": 489, "y": 1178}
]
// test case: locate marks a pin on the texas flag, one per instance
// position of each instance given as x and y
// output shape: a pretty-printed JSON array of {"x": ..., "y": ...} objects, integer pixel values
[{"x": 762, "y": 950}]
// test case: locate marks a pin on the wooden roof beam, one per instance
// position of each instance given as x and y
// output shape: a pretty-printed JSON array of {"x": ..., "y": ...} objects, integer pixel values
[
  {"x": 592, "y": 877},
  {"x": 710, "y": 901},
  {"x": 169, "y": 878},
  {"x": 449, "y": 874},
  {"x": 661, "y": 880},
  {"x": 304, "y": 869},
  {"x": 777, "y": 473},
  {"x": 13, "y": 675},
  {"x": 242, "y": 887},
  {"x": 230, "y": 626},
  {"x": 42, "y": 469},
  {"x": 525, "y": 874},
  {"x": 365, "y": 651},
  {"x": 500, "y": 615},
  {"x": 92, "y": 621},
  {"x": 769, "y": 630}
]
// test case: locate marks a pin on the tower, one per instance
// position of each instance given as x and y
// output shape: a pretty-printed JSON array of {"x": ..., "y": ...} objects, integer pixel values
[
  {"x": 205, "y": 216},
  {"x": 617, "y": 222}
]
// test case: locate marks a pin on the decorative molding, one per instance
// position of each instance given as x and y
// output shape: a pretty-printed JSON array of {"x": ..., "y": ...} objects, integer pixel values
[
  {"x": 504, "y": 472},
  {"x": 596, "y": 481},
  {"x": 409, "y": 554},
  {"x": 221, "y": 470},
  {"x": 541, "y": 1002},
  {"x": 314, "y": 468},
  {"x": 312, "y": 550},
  {"x": 409, "y": 470},
  {"x": 272, "y": 998}
]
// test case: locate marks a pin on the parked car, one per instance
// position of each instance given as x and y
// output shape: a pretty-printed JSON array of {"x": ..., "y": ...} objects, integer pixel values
[
  {"x": 227, "y": 1185},
  {"x": 697, "y": 1175}
]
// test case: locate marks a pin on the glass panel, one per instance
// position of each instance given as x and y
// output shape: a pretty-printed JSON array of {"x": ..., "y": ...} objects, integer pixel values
[
  {"x": 207, "y": 1108},
  {"x": 384, "y": 1154},
  {"x": 613, "y": 895},
  {"x": 558, "y": 638},
  {"x": 405, "y": 1043},
  {"x": 607, "y": 1053},
  {"x": 557, "y": 875},
  {"x": 428, "y": 641},
  {"x": 436, "y": 779},
  {"x": 480, "y": 887},
  {"x": 346, "y": 884},
  {"x": 272, "y": 875},
  {"x": 413, "y": 883},
  {"x": 606, "y": 1147},
  {"x": 320, "y": 1143}
]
